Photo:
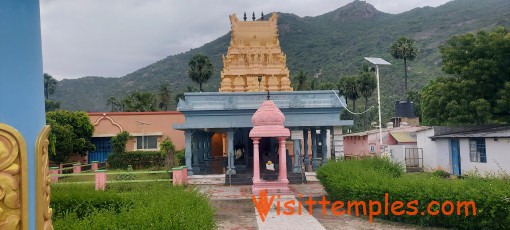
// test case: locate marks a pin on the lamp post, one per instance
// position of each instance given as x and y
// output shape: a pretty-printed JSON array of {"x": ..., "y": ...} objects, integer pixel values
[
  {"x": 259, "y": 79},
  {"x": 377, "y": 62},
  {"x": 143, "y": 123}
]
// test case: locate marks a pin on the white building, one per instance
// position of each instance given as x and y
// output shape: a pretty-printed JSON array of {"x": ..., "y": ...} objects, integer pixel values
[{"x": 458, "y": 150}]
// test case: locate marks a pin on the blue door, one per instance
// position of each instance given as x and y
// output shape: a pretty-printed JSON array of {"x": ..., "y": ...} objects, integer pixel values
[
  {"x": 103, "y": 149},
  {"x": 455, "y": 152}
]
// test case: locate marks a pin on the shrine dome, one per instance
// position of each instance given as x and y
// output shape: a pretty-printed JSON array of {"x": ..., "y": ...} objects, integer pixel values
[{"x": 268, "y": 121}]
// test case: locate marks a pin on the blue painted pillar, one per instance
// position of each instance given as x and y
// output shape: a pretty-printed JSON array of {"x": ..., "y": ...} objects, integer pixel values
[
  {"x": 231, "y": 170},
  {"x": 21, "y": 79},
  {"x": 209, "y": 146},
  {"x": 196, "y": 166},
  {"x": 315, "y": 160},
  {"x": 187, "y": 139},
  {"x": 324, "y": 135},
  {"x": 297, "y": 156},
  {"x": 201, "y": 147},
  {"x": 305, "y": 143}
]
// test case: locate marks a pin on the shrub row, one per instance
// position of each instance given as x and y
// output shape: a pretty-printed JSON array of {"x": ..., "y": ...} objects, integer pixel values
[
  {"x": 137, "y": 159},
  {"x": 372, "y": 178},
  {"x": 155, "y": 205}
]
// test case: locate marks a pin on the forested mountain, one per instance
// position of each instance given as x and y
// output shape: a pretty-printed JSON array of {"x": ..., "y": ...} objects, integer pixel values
[{"x": 333, "y": 44}]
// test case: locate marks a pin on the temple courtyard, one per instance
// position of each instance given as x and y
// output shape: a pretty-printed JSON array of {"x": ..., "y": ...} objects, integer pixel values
[{"x": 235, "y": 209}]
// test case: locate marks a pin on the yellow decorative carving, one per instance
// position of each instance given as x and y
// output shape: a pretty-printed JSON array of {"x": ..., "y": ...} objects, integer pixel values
[
  {"x": 254, "y": 51},
  {"x": 42, "y": 184},
  {"x": 13, "y": 179}
]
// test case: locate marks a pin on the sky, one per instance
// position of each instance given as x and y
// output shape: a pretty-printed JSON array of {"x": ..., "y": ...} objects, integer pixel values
[{"x": 112, "y": 38}]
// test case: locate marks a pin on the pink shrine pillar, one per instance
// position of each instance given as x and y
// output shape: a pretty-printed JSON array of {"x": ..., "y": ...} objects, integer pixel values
[
  {"x": 184, "y": 175},
  {"x": 100, "y": 180},
  {"x": 256, "y": 161},
  {"x": 283, "y": 161}
]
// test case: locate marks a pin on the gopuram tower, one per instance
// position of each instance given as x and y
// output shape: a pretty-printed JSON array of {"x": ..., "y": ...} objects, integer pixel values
[{"x": 254, "y": 60}]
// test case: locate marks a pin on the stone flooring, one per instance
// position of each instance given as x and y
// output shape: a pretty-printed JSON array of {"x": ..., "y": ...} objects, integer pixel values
[{"x": 235, "y": 210}]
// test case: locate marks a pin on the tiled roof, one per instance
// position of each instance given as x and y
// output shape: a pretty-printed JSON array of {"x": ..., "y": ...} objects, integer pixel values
[{"x": 404, "y": 137}]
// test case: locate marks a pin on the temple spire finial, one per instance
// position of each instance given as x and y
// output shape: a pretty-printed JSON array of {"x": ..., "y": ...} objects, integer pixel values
[
  {"x": 245, "y": 16},
  {"x": 268, "y": 95},
  {"x": 262, "y": 16},
  {"x": 253, "y": 16}
]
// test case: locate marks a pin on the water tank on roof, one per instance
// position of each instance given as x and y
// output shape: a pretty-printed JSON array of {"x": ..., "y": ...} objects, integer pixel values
[{"x": 404, "y": 109}]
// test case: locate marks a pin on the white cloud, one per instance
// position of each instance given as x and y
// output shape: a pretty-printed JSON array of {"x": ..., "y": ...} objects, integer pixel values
[{"x": 116, "y": 37}]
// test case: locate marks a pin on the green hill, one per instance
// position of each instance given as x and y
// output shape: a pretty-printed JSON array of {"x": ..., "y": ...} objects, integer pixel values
[{"x": 333, "y": 43}]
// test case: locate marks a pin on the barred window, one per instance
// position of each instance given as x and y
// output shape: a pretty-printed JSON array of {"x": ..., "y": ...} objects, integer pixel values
[
  {"x": 148, "y": 142},
  {"x": 477, "y": 150}
]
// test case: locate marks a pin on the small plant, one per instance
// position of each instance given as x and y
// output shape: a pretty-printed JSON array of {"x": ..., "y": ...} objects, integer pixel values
[
  {"x": 126, "y": 176},
  {"x": 440, "y": 173}
]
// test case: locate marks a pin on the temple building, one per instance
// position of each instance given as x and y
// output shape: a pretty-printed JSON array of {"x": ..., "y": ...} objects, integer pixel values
[{"x": 217, "y": 124}]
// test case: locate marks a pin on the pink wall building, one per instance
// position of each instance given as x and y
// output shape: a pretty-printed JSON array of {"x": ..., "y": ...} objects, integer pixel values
[{"x": 147, "y": 129}]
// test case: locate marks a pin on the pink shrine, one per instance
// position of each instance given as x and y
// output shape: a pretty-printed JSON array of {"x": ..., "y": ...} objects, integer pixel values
[{"x": 268, "y": 122}]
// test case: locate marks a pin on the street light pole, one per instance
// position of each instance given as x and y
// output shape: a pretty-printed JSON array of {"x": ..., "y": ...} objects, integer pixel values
[
  {"x": 379, "y": 106},
  {"x": 377, "y": 62}
]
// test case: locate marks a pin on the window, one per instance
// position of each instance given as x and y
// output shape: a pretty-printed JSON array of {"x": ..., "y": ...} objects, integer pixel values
[
  {"x": 148, "y": 142},
  {"x": 477, "y": 150}
]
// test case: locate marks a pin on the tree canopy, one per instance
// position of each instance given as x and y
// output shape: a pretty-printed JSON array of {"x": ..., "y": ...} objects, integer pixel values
[
  {"x": 139, "y": 102},
  {"x": 70, "y": 133},
  {"x": 477, "y": 90},
  {"x": 200, "y": 69}
]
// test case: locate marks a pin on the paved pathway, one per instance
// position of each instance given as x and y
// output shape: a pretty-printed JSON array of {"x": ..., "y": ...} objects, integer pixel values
[{"x": 235, "y": 210}]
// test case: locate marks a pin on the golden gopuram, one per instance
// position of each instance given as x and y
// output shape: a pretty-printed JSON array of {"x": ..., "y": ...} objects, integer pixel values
[{"x": 254, "y": 53}]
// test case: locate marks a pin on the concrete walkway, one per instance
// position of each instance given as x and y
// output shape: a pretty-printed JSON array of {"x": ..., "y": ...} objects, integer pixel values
[{"x": 235, "y": 210}]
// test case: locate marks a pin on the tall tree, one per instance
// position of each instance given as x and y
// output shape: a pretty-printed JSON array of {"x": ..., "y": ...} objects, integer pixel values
[
  {"x": 477, "y": 90},
  {"x": 164, "y": 96},
  {"x": 112, "y": 101},
  {"x": 366, "y": 87},
  {"x": 50, "y": 84},
  {"x": 140, "y": 102},
  {"x": 200, "y": 69},
  {"x": 404, "y": 48}
]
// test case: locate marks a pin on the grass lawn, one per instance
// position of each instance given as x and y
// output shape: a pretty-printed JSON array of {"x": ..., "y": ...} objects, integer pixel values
[{"x": 154, "y": 205}]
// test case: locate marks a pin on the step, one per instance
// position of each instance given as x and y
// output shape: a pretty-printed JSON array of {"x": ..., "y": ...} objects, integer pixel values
[{"x": 207, "y": 179}]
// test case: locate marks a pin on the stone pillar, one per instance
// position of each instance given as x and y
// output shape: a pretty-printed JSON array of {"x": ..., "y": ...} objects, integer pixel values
[
  {"x": 22, "y": 97},
  {"x": 256, "y": 161},
  {"x": 282, "y": 175},
  {"x": 196, "y": 164},
  {"x": 100, "y": 183},
  {"x": 77, "y": 168},
  {"x": 246, "y": 140},
  {"x": 230, "y": 138},
  {"x": 338, "y": 142},
  {"x": 94, "y": 166},
  {"x": 315, "y": 160},
  {"x": 324, "y": 135},
  {"x": 209, "y": 146},
  {"x": 305, "y": 150},
  {"x": 187, "y": 139},
  {"x": 54, "y": 174},
  {"x": 297, "y": 156},
  {"x": 200, "y": 144}
]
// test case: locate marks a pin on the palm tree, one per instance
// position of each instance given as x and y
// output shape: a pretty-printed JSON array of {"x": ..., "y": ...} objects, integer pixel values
[
  {"x": 404, "y": 48},
  {"x": 113, "y": 102},
  {"x": 366, "y": 85},
  {"x": 164, "y": 96},
  {"x": 50, "y": 84},
  {"x": 140, "y": 102},
  {"x": 200, "y": 69},
  {"x": 301, "y": 81},
  {"x": 349, "y": 87}
]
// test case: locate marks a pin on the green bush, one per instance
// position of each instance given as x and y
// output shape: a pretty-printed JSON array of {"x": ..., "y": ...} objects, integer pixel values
[
  {"x": 181, "y": 157},
  {"x": 138, "y": 159},
  {"x": 441, "y": 173},
  {"x": 371, "y": 178},
  {"x": 144, "y": 206}
]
